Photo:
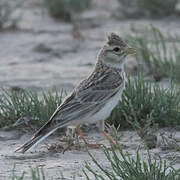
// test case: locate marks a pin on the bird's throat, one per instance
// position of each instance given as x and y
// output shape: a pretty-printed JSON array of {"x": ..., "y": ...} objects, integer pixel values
[{"x": 117, "y": 66}]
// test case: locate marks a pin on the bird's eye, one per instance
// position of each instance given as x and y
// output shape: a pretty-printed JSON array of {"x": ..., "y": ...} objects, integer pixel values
[{"x": 116, "y": 49}]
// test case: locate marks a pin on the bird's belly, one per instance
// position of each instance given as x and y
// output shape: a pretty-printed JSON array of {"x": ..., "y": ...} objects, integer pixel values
[{"x": 106, "y": 110}]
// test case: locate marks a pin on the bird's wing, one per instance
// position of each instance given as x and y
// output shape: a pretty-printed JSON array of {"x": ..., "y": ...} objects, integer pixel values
[{"x": 88, "y": 98}]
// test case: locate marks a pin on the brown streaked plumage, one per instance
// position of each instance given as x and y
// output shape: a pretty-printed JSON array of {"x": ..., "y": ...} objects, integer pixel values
[{"x": 95, "y": 97}]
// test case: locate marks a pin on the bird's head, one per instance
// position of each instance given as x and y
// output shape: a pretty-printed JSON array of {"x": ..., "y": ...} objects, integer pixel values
[{"x": 115, "y": 51}]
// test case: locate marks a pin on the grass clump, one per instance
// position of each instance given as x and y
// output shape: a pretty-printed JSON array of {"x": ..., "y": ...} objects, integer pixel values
[
  {"x": 27, "y": 107},
  {"x": 145, "y": 104},
  {"x": 158, "y": 8},
  {"x": 36, "y": 174},
  {"x": 63, "y": 9},
  {"x": 8, "y": 20},
  {"x": 124, "y": 167},
  {"x": 157, "y": 58},
  {"x": 152, "y": 8}
]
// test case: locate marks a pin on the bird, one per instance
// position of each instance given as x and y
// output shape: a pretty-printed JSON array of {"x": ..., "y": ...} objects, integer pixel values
[{"x": 94, "y": 98}]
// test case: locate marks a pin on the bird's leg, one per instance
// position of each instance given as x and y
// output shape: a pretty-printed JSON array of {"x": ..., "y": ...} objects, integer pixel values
[
  {"x": 109, "y": 139},
  {"x": 101, "y": 129},
  {"x": 84, "y": 139},
  {"x": 101, "y": 125}
]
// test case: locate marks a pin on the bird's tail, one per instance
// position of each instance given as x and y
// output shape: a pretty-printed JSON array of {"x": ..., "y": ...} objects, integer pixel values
[{"x": 34, "y": 141}]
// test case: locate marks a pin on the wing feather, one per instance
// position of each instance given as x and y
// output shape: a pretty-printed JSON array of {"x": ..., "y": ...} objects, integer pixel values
[{"x": 88, "y": 98}]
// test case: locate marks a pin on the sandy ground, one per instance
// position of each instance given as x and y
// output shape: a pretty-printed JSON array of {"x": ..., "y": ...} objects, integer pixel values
[
  {"x": 54, "y": 162},
  {"x": 43, "y": 53}
]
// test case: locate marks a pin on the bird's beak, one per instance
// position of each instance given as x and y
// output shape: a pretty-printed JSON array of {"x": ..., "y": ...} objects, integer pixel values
[{"x": 130, "y": 51}]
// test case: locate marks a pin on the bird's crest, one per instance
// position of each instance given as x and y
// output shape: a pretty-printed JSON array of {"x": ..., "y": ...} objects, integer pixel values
[{"x": 114, "y": 39}]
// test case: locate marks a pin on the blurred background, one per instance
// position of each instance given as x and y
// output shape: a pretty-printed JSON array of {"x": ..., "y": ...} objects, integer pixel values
[{"x": 54, "y": 43}]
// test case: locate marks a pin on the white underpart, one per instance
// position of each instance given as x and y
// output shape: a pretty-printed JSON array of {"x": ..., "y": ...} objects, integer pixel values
[
  {"x": 105, "y": 112},
  {"x": 107, "y": 109}
]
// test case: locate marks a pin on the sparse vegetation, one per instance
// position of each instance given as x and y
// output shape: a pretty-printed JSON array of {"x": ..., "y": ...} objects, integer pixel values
[
  {"x": 145, "y": 104},
  {"x": 157, "y": 57},
  {"x": 26, "y": 107},
  {"x": 142, "y": 104},
  {"x": 153, "y": 8},
  {"x": 7, "y": 18},
  {"x": 121, "y": 166},
  {"x": 143, "y": 107},
  {"x": 36, "y": 174},
  {"x": 63, "y": 9},
  {"x": 58, "y": 9},
  {"x": 125, "y": 167},
  {"x": 158, "y": 7}
]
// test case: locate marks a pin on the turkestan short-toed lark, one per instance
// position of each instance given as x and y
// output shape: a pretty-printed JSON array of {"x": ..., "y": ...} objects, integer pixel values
[{"x": 95, "y": 97}]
